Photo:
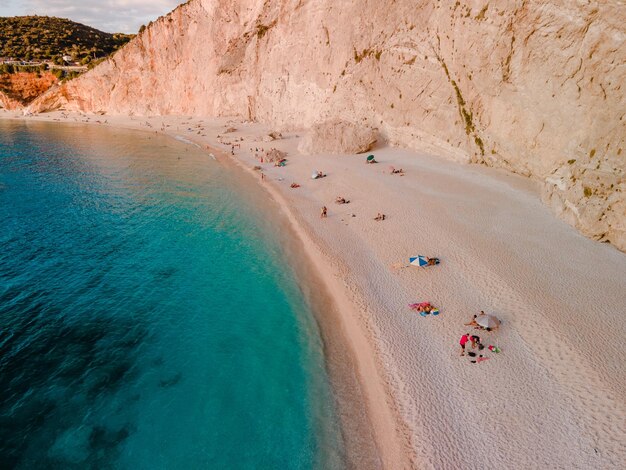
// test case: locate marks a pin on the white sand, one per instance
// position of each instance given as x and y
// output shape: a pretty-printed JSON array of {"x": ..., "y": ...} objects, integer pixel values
[{"x": 555, "y": 397}]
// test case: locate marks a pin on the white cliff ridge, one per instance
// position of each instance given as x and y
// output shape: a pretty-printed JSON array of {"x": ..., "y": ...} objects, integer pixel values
[{"x": 532, "y": 86}]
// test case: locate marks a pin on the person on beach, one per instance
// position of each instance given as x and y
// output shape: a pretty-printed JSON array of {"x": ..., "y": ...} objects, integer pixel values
[
  {"x": 432, "y": 261},
  {"x": 475, "y": 340},
  {"x": 425, "y": 307},
  {"x": 324, "y": 212},
  {"x": 473, "y": 322},
  {"x": 480, "y": 327},
  {"x": 341, "y": 200},
  {"x": 463, "y": 342},
  {"x": 379, "y": 217}
]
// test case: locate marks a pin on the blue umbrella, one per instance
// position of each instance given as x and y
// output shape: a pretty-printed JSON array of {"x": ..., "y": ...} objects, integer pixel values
[{"x": 419, "y": 261}]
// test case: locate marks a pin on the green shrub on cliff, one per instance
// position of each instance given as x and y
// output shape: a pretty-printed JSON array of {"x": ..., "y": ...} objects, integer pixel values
[{"x": 47, "y": 38}]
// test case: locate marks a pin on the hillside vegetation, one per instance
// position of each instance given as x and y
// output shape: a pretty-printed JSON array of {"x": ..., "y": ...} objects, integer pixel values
[{"x": 49, "y": 38}]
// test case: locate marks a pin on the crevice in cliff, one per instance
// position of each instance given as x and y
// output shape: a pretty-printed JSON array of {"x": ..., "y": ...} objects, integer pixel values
[
  {"x": 466, "y": 115},
  {"x": 506, "y": 67}
]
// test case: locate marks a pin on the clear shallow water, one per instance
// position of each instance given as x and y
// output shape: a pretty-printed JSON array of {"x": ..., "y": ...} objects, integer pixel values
[{"x": 148, "y": 318}]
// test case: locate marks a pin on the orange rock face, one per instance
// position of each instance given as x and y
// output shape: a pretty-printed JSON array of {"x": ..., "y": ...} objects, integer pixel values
[{"x": 21, "y": 88}]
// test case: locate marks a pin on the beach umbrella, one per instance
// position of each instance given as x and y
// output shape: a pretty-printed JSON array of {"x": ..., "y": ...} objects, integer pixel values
[
  {"x": 487, "y": 321},
  {"x": 315, "y": 175},
  {"x": 418, "y": 261},
  {"x": 370, "y": 158}
]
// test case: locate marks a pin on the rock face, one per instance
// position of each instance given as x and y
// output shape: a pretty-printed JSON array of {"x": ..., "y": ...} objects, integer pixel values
[
  {"x": 19, "y": 89},
  {"x": 275, "y": 155},
  {"x": 533, "y": 86},
  {"x": 338, "y": 136}
]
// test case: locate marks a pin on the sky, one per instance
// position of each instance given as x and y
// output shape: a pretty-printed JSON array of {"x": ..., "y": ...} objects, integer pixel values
[{"x": 112, "y": 16}]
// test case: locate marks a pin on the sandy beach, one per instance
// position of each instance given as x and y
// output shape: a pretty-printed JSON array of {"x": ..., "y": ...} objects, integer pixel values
[{"x": 554, "y": 397}]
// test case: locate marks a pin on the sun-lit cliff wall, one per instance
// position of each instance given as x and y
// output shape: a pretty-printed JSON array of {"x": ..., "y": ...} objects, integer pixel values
[{"x": 532, "y": 86}]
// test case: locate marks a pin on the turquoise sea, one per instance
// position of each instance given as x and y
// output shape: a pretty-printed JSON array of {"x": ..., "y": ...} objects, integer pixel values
[{"x": 148, "y": 316}]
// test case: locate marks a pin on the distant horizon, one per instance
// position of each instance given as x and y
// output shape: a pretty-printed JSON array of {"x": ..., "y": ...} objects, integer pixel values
[{"x": 120, "y": 16}]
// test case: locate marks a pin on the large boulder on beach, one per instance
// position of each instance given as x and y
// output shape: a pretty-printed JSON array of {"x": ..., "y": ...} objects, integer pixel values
[
  {"x": 272, "y": 136},
  {"x": 338, "y": 136},
  {"x": 275, "y": 155}
]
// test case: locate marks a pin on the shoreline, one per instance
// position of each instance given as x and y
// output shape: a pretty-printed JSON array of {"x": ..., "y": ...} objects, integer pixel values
[
  {"x": 424, "y": 403},
  {"x": 383, "y": 418},
  {"x": 313, "y": 271}
]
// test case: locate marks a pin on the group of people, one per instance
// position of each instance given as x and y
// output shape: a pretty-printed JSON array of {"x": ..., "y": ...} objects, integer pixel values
[
  {"x": 341, "y": 200},
  {"x": 474, "y": 343},
  {"x": 472, "y": 346},
  {"x": 475, "y": 324},
  {"x": 259, "y": 152},
  {"x": 338, "y": 199},
  {"x": 424, "y": 307}
]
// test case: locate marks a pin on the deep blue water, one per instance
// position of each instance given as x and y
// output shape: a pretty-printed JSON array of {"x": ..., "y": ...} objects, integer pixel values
[{"x": 148, "y": 316}]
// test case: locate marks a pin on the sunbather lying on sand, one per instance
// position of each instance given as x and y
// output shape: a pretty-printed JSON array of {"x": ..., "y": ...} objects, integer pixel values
[
  {"x": 341, "y": 200},
  {"x": 295, "y": 185},
  {"x": 480, "y": 327},
  {"x": 379, "y": 216},
  {"x": 473, "y": 322},
  {"x": 433, "y": 261}
]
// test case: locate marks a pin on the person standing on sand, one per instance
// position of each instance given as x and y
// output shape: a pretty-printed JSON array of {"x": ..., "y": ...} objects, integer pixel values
[
  {"x": 464, "y": 339},
  {"x": 324, "y": 212}
]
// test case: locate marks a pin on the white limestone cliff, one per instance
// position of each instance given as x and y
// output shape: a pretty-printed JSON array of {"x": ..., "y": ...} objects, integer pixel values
[{"x": 532, "y": 86}]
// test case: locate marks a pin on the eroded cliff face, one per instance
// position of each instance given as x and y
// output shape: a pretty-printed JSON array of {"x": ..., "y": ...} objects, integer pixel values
[
  {"x": 531, "y": 86},
  {"x": 21, "y": 88}
]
